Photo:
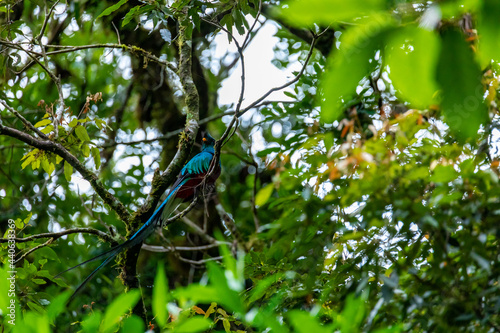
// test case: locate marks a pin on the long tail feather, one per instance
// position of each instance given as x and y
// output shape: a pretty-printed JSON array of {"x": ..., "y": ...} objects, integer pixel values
[
  {"x": 165, "y": 209},
  {"x": 94, "y": 272},
  {"x": 99, "y": 256},
  {"x": 161, "y": 213}
]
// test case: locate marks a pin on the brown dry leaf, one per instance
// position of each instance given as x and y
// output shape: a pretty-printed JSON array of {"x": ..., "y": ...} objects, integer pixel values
[{"x": 198, "y": 310}]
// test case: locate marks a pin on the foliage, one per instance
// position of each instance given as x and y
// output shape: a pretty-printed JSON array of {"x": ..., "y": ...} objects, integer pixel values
[{"x": 365, "y": 198}]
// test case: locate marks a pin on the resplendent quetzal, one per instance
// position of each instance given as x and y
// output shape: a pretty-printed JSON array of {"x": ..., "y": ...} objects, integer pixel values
[{"x": 184, "y": 189}]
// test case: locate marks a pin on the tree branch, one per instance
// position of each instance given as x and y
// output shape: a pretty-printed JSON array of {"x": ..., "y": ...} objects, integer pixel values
[
  {"x": 201, "y": 261},
  {"x": 295, "y": 79},
  {"x": 198, "y": 230},
  {"x": 130, "y": 48},
  {"x": 68, "y": 48},
  {"x": 161, "y": 181},
  {"x": 56, "y": 235},
  {"x": 39, "y": 246},
  {"x": 162, "y": 248},
  {"x": 23, "y": 120},
  {"x": 60, "y": 150}
]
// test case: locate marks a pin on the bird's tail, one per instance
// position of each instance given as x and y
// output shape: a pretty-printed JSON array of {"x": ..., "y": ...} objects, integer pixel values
[
  {"x": 113, "y": 254},
  {"x": 161, "y": 213}
]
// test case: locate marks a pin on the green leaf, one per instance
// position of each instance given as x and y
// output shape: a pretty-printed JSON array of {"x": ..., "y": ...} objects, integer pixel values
[
  {"x": 100, "y": 123},
  {"x": 27, "y": 161},
  {"x": 47, "y": 129},
  {"x": 347, "y": 66},
  {"x": 68, "y": 171},
  {"x": 38, "y": 281},
  {"x": 85, "y": 150},
  {"x": 443, "y": 174},
  {"x": 19, "y": 223},
  {"x": 489, "y": 32},
  {"x": 412, "y": 55},
  {"x": 263, "y": 285},
  {"x": 227, "y": 21},
  {"x": 81, "y": 133},
  {"x": 73, "y": 122},
  {"x": 193, "y": 325},
  {"x": 238, "y": 21},
  {"x": 325, "y": 12},
  {"x": 211, "y": 309},
  {"x": 264, "y": 194},
  {"x": 197, "y": 294},
  {"x": 36, "y": 163},
  {"x": 97, "y": 157},
  {"x": 160, "y": 296},
  {"x": 27, "y": 219},
  {"x": 462, "y": 91},
  {"x": 57, "y": 305},
  {"x": 132, "y": 324},
  {"x": 47, "y": 252},
  {"x": 35, "y": 307},
  {"x": 130, "y": 15},
  {"x": 111, "y": 9},
  {"x": 45, "y": 164},
  {"x": 118, "y": 308},
  {"x": 303, "y": 322},
  {"x": 352, "y": 314},
  {"x": 234, "y": 268},
  {"x": 227, "y": 325},
  {"x": 228, "y": 297},
  {"x": 267, "y": 151},
  {"x": 43, "y": 122},
  {"x": 91, "y": 323}
]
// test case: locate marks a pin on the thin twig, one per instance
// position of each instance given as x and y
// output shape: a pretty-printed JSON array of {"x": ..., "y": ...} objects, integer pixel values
[
  {"x": 295, "y": 79},
  {"x": 117, "y": 33},
  {"x": 199, "y": 262},
  {"x": 198, "y": 230},
  {"x": 168, "y": 135},
  {"x": 135, "y": 142},
  {"x": 181, "y": 214},
  {"x": 247, "y": 37},
  {"x": 68, "y": 48},
  {"x": 131, "y": 48},
  {"x": 56, "y": 235},
  {"x": 23, "y": 120},
  {"x": 57, "y": 80},
  {"x": 39, "y": 246},
  {"x": 157, "y": 248},
  {"x": 45, "y": 21}
]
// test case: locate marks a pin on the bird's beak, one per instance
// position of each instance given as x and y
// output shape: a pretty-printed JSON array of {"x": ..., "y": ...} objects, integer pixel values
[{"x": 204, "y": 139}]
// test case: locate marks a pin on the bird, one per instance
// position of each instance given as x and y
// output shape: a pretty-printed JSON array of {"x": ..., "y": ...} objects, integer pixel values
[{"x": 185, "y": 188}]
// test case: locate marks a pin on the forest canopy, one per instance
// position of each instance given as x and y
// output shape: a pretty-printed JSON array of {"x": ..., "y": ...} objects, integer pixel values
[{"x": 361, "y": 193}]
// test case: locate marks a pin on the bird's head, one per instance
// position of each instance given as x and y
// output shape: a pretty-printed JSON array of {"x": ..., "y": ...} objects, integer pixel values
[{"x": 207, "y": 141}]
